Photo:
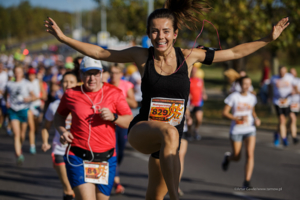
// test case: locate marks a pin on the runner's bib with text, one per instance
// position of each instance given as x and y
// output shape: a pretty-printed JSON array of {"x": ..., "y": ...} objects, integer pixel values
[
  {"x": 295, "y": 107},
  {"x": 242, "y": 121},
  {"x": 283, "y": 103},
  {"x": 96, "y": 172},
  {"x": 166, "y": 110}
]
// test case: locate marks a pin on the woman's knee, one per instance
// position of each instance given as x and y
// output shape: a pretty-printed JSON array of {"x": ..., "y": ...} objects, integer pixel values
[
  {"x": 250, "y": 155},
  {"x": 171, "y": 136}
]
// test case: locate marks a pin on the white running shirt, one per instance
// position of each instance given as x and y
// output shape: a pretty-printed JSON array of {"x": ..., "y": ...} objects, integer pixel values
[
  {"x": 241, "y": 106},
  {"x": 282, "y": 89},
  {"x": 295, "y": 98},
  {"x": 17, "y": 91},
  {"x": 57, "y": 147}
]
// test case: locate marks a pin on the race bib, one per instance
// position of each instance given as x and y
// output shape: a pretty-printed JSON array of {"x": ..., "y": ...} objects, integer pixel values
[
  {"x": 166, "y": 110},
  {"x": 242, "y": 121},
  {"x": 283, "y": 103},
  {"x": 295, "y": 107},
  {"x": 69, "y": 122},
  {"x": 96, "y": 172}
]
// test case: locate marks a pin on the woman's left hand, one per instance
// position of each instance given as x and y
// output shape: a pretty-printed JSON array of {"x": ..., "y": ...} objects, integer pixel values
[
  {"x": 279, "y": 27},
  {"x": 257, "y": 122}
]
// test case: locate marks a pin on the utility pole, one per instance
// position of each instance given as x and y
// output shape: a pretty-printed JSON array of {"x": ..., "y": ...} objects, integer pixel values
[
  {"x": 150, "y": 6},
  {"x": 103, "y": 16}
]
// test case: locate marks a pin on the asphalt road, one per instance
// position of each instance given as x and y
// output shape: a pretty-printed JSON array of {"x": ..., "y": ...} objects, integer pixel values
[{"x": 276, "y": 173}]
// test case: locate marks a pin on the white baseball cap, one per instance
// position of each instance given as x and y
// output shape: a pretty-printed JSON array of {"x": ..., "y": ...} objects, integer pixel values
[{"x": 89, "y": 63}]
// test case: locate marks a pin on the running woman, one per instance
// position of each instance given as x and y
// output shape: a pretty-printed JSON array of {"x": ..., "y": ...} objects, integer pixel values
[
  {"x": 281, "y": 88},
  {"x": 19, "y": 94},
  {"x": 96, "y": 109},
  {"x": 244, "y": 120},
  {"x": 235, "y": 87},
  {"x": 116, "y": 74},
  {"x": 165, "y": 70},
  {"x": 69, "y": 80},
  {"x": 295, "y": 106},
  {"x": 34, "y": 108}
]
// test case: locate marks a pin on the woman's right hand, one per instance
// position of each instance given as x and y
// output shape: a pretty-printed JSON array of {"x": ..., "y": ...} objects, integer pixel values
[
  {"x": 54, "y": 29},
  {"x": 66, "y": 138}
]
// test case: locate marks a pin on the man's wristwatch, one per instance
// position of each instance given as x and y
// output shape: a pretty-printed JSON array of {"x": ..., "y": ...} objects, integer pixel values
[{"x": 116, "y": 117}]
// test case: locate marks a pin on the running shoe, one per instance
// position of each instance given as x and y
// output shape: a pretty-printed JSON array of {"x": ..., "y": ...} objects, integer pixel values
[
  {"x": 197, "y": 136},
  {"x": 285, "y": 142},
  {"x": 276, "y": 139},
  {"x": 180, "y": 193},
  {"x": 20, "y": 160},
  {"x": 225, "y": 162},
  {"x": 295, "y": 140},
  {"x": 119, "y": 189},
  {"x": 68, "y": 197},
  {"x": 9, "y": 132},
  {"x": 32, "y": 150},
  {"x": 247, "y": 184}
]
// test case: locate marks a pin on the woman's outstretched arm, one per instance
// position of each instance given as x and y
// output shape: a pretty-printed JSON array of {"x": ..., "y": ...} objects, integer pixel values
[
  {"x": 242, "y": 50},
  {"x": 245, "y": 49},
  {"x": 91, "y": 50}
]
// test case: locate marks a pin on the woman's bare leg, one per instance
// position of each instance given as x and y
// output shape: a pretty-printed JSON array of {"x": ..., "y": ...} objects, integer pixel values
[
  {"x": 250, "y": 147},
  {"x": 16, "y": 127},
  {"x": 149, "y": 137},
  {"x": 31, "y": 125},
  {"x": 236, "y": 151},
  {"x": 62, "y": 174},
  {"x": 182, "y": 152},
  {"x": 157, "y": 188}
]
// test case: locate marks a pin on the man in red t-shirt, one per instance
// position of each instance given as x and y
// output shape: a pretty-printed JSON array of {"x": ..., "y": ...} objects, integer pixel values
[{"x": 96, "y": 109}]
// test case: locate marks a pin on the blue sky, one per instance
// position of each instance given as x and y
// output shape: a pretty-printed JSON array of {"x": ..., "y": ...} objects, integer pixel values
[{"x": 62, "y": 5}]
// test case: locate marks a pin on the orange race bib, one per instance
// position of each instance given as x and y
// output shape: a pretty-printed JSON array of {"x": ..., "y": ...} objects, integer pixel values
[
  {"x": 242, "y": 121},
  {"x": 283, "y": 103},
  {"x": 96, "y": 172},
  {"x": 167, "y": 110},
  {"x": 295, "y": 107}
]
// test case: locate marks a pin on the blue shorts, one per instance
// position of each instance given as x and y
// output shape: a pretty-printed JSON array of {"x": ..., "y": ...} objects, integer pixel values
[
  {"x": 76, "y": 174},
  {"x": 241, "y": 137},
  {"x": 21, "y": 115}
]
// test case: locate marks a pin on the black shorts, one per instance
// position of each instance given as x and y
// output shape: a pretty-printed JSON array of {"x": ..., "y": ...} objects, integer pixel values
[
  {"x": 185, "y": 135},
  {"x": 196, "y": 108},
  {"x": 296, "y": 113},
  {"x": 137, "y": 119},
  {"x": 283, "y": 111}
]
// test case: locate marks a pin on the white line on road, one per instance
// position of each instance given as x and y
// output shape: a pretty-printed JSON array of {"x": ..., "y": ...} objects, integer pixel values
[
  {"x": 240, "y": 194},
  {"x": 139, "y": 155}
]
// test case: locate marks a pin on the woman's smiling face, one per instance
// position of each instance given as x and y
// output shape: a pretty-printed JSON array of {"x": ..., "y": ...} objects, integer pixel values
[{"x": 162, "y": 34}]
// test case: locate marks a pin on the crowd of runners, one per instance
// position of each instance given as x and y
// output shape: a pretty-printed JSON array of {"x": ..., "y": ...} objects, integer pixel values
[{"x": 91, "y": 104}]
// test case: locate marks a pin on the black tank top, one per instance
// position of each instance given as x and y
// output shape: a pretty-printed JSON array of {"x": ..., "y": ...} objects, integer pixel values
[{"x": 174, "y": 86}]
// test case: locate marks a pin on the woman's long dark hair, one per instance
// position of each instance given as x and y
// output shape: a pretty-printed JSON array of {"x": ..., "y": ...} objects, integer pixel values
[{"x": 180, "y": 12}]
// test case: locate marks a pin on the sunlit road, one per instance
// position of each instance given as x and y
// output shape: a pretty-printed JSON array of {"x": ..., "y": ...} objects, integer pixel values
[{"x": 276, "y": 174}]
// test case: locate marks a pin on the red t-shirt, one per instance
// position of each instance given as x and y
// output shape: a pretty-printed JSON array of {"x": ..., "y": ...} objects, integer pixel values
[
  {"x": 78, "y": 104},
  {"x": 196, "y": 88}
]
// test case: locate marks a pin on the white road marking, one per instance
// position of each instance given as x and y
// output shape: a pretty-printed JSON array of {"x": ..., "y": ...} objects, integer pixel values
[{"x": 139, "y": 155}]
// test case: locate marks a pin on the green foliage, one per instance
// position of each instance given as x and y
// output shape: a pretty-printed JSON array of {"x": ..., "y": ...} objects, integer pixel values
[{"x": 24, "y": 21}]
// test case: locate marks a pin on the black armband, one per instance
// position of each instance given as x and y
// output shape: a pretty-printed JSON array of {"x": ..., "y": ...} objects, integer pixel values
[{"x": 209, "y": 54}]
